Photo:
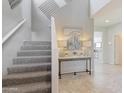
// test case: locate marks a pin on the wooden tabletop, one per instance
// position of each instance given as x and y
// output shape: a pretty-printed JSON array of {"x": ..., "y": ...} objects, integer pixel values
[{"x": 74, "y": 58}]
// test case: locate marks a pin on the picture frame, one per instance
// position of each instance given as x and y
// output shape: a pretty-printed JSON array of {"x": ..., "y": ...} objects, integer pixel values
[
  {"x": 14, "y": 3},
  {"x": 72, "y": 37}
]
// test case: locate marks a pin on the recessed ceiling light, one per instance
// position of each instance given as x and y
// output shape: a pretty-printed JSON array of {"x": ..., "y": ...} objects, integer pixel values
[{"x": 107, "y": 21}]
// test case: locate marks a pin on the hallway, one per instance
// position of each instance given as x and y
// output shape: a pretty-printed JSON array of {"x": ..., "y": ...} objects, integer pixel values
[{"x": 106, "y": 79}]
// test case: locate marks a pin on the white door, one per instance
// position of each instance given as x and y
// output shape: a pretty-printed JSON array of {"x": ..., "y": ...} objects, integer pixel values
[
  {"x": 98, "y": 48},
  {"x": 99, "y": 52}
]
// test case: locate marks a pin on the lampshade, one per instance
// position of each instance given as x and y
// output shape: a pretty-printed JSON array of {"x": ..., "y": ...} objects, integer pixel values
[
  {"x": 62, "y": 43},
  {"x": 87, "y": 43}
]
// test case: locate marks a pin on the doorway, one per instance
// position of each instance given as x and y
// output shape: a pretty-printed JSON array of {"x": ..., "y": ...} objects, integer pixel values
[{"x": 98, "y": 47}]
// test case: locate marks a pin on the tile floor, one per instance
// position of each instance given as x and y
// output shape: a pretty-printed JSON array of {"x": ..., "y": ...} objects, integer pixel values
[{"x": 106, "y": 79}]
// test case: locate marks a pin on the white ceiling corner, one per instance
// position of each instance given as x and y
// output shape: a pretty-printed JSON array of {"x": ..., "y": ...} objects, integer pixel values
[{"x": 112, "y": 12}]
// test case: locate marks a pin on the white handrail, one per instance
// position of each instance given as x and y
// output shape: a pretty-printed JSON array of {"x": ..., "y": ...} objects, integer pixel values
[
  {"x": 5, "y": 38},
  {"x": 54, "y": 57}
]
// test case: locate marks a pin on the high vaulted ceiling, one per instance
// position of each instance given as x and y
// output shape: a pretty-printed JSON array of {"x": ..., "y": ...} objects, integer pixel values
[
  {"x": 109, "y": 15},
  {"x": 74, "y": 13}
]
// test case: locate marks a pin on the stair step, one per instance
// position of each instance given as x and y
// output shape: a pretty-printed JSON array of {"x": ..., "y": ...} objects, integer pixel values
[
  {"x": 38, "y": 87},
  {"x": 34, "y": 53},
  {"x": 40, "y": 47},
  {"x": 37, "y": 43},
  {"x": 31, "y": 70},
  {"x": 32, "y": 59},
  {"x": 23, "y": 68},
  {"x": 25, "y": 78}
]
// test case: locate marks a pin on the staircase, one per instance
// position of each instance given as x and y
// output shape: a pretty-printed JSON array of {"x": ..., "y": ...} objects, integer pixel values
[{"x": 31, "y": 70}]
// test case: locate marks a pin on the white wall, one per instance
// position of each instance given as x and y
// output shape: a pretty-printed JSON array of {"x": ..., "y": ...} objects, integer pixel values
[
  {"x": 112, "y": 31},
  {"x": 10, "y": 19},
  {"x": 98, "y": 38},
  {"x": 74, "y": 14},
  {"x": 96, "y": 5},
  {"x": 26, "y": 12},
  {"x": 104, "y": 43},
  {"x": 108, "y": 41},
  {"x": 40, "y": 24}
]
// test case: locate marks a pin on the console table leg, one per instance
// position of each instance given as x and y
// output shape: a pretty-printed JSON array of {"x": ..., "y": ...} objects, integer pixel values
[
  {"x": 59, "y": 69},
  {"x": 86, "y": 66},
  {"x": 90, "y": 66},
  {"x": 74, "y": 73}
]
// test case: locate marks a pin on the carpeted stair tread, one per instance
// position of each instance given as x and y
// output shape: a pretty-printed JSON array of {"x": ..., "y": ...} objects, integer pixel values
[
  {"x": 26, "y": 75},
  {"x": 33, "y": 50},
  {"x": 37, "y": 43},
  {"x": 26, "y": 78},
  {"x": 36, "y": 47},
  {"x": 31, "y": 59},
  {"x": 30, "y": 65},
  {"x": 21, "y": 68},
  {"x": 34, "y": 56},
  {"x": 41, "y": 87},
  {"x": 34, "y": 53}
]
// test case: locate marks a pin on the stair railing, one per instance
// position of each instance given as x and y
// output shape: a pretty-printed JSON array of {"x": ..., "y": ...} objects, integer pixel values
[{"x": 54, "y": 57}]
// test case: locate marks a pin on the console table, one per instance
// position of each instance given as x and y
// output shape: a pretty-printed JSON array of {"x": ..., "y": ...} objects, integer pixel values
[{"x": 87, "y": 59}]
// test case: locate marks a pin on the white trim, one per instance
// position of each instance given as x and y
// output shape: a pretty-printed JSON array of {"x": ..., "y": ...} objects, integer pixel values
[
  {"x": 55, "y": 82},
  {"x": 5, "y": 38}
]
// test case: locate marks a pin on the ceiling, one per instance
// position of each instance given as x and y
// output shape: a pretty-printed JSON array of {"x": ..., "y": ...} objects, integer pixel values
[
  {"x": 74, "y": 14},
  {"x": 111, "y": 12}
]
